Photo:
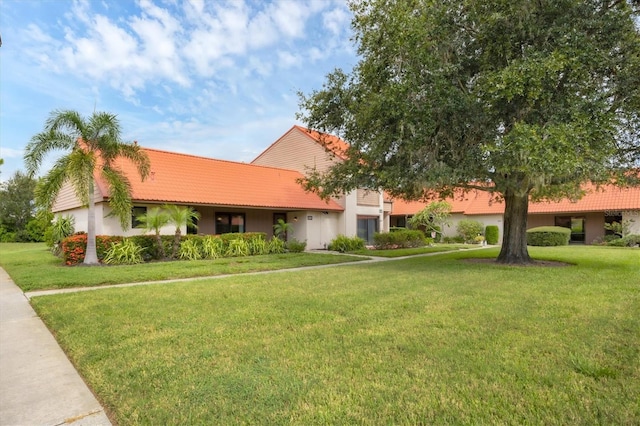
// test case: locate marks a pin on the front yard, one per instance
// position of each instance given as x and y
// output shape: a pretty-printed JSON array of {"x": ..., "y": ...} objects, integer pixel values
[{"x": 417, "y": 341}]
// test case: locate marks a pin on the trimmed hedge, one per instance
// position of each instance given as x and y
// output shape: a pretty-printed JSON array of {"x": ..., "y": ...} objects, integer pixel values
[
  {"x": 344, "y": 244},
  {"x": 404, "y": 238},
  {"x": 75, "y": 246},
  {"x": 196, "y": 247},
  {"x": 492, "y": 234},
  {"x": 546, "y": 236}
]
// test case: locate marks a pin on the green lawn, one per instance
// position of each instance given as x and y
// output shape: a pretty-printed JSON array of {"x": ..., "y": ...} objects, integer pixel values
[
  {"x": 33, "y": 267},
  {"x": 438, "y": 248},
  {"x": 428, "y": 340}
]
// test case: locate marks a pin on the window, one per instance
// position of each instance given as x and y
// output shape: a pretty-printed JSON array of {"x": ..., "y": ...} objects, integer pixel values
[
  {"x": 611, "y": 229},
  {"x": 193, "y": 230},
  {"x": 367, "y": 227},
  {"x": 576, "y": 224},
  {"x": 229, "y": 223},
  {"x": 135, "y": 213}
]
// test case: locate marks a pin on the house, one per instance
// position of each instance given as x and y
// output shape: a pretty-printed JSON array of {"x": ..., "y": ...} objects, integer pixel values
[
  {"x": 230, "y": 197},
  {"x": 585, "y": 217},
  {"x": 364, "y": 211},
  {"x": 240, "y": 197}
]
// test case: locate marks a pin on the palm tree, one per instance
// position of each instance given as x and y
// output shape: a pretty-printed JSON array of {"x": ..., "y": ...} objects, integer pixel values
[
  {"x": 92, "y": 146},
  {"x": 154, "y": 220},
  {"x": 282, "y": 229},
  {"x": 181, "y": 216}
]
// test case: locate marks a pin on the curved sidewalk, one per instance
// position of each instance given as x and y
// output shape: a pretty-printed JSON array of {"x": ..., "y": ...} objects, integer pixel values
[{"x": 38, "y": 384}]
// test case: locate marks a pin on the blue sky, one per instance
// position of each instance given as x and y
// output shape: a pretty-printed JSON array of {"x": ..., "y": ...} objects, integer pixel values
[{"x": 212, "y": 78}]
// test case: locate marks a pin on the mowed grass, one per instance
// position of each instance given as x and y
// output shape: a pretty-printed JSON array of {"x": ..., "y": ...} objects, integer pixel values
[
  {"x": 33, "y": 267},
  {"x": 437, "y": 248},
  {"x": 427, "y": 340}
]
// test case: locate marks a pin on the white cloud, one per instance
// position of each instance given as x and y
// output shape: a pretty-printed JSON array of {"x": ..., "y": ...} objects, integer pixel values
[
  {"x": 288, "y": 60},
  {"x": 10, "y": 152},
  {"x": 336, "y": 20}
]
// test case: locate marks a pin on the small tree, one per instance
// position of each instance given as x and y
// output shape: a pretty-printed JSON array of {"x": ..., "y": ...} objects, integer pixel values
[
  {"x": 433, "y": 217},
  {"x": 469, "y": 229},
  {"x": 620, "y": 229},
  {"x": 154, "y": 220},
  {"x": 282, "y": 229},
  {"x": 179, "y": 217}
]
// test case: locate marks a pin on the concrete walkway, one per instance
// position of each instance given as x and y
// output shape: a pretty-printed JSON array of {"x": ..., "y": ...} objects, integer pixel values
[{"x": 38, "y": 384}]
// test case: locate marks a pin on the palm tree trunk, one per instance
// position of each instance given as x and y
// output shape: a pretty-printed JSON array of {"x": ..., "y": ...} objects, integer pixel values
[
  {"x": 91, "y": 255},
  {"x": 161, "y": 253},
  {"x": 176, "y": 243}
]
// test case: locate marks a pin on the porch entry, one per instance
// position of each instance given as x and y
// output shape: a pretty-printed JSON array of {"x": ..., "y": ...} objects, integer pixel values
[{"x": 367, "y": 227}]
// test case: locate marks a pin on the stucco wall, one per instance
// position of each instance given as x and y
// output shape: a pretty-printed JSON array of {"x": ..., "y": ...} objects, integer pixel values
[
  {"x": 633, "y": 218},
  {"x": 316, "y": 228}
]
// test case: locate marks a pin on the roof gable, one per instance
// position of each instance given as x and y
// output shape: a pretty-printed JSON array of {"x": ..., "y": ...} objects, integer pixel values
[{"x": 331, "y": 144}]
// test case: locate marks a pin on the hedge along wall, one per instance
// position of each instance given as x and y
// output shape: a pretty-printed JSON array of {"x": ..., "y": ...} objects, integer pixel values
[
  {"x": 74, "y": 247},
  {"x": 548, "y": 236}
]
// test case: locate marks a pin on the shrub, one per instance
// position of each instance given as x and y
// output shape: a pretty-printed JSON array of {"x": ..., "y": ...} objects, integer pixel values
[
  {"x": 276, "y": 246},
  {"x": 492, "y": 234},
  {"x": 257, "y": 245},
  {"x": 399, "y": 239},
  {"x": 237, "y": 248},
  {"x": 74, "y": 247},
  {"x": 212, "y": 247},
  {"x": 631, "y": 240},
  {"x": 345, "y": 244},
  {"x": 453, "y": 240},
  {"x": 469, "y": 229},
  {"x": 149, "y": 244},
  {"x": 548, "y": 236},
  {"x": 125, "y": 252},
  {"x": 295, "y": 246},
  {"x": 190, "y": 249},
  {"x": 60, "y": 229}
]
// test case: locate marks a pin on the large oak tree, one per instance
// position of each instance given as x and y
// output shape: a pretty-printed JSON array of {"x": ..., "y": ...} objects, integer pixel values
[{"x": 525, "y": 99}]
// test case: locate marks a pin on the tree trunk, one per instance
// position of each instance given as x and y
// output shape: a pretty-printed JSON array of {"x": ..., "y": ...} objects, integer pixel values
[
  {"x": 514, "y": 241},
  {"x": 91, "y": 254},
  {"x": 161, "y": 253},
  {"x": 176, "y": 243}
]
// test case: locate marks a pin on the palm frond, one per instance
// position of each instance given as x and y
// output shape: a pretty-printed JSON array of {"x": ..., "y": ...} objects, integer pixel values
[
  {"x": 81, "y": 166},
  {"x": 120, "y": 195},
  {"x": 138, "y": 157},
  {"x": 49, "y": 186},
  {"x": 42, "y": 144},
  {"x": 66, "y": 121}
]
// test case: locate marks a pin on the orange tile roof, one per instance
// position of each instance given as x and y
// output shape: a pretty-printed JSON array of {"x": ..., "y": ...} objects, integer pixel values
[
  {"x": 606, "y": 198},
  {"x": 330, "y": 142},
  {"x": 188, "y": 179}
]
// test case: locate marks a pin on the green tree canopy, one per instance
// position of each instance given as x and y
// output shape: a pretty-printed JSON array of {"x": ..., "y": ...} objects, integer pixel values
[
  {"x": 17, "y": 205},
  {"x": 92, "y": 146},
  {"x": 519, "y": 98}
]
